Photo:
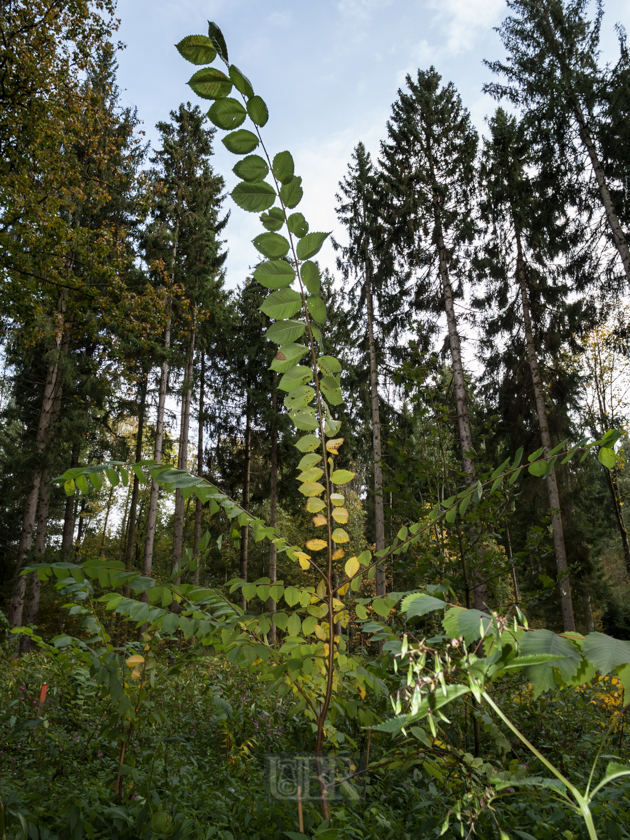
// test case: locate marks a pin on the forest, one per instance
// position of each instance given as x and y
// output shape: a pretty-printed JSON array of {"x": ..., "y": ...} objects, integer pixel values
[{"x": 330, "y": 551}]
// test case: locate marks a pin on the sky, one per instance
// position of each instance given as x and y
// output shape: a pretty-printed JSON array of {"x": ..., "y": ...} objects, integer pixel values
[{"x": 329, "y": 72}]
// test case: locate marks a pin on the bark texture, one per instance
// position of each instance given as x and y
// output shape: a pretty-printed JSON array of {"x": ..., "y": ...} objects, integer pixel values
[
  {"x": 246, "y": 480},
  {"x": 198, "y": 505},
  {"x": 182, "y": 456}
]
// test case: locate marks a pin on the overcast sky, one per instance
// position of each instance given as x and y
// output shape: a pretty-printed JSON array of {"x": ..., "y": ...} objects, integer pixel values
[{"x": 328, "y": 70}]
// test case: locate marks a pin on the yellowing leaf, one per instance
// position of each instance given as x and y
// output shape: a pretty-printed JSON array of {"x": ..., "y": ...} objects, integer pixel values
[
  {"x": 339, "y": 554},
  {"x": 341, "y": 476},
  {"x": 319, "y": 520},
  {"x": 136, "y": 674},
  {"x": 337, "y": 499},
  {"x": 134, "y": 660},
  {"x": 340, "y": 536},
  {"x": 321, "y": 634},
  {"x": 340, "y": 515},
  {"x": 352, "y": 566},
  {"x": 361, "y": 612},
  {"x": 315, "y": 505},
  {"x": 333, "y": 445},
  {"x": 343, "y": 589},
  {"x": 313, "y": 474},
  {"x": 304, "y": 564},
  {"x": 311, "y": 488},
  {"x": 316, "y": 545}
]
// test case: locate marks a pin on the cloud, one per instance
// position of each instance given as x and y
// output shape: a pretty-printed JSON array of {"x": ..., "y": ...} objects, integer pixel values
[
  {"x": 464, "y": 20},
  {"x": 360, "y": 10}
]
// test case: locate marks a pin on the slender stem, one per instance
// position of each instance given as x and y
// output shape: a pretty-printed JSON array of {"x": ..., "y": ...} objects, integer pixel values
[{"x": 602, "y": 742}]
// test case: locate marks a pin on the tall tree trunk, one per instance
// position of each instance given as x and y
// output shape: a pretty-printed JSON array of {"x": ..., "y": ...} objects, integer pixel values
[
  {"x": 157, "y": 451},
  {"x": 182, "y": 458},
  {"x": 273, "y": 507},
  {"x": 553, "y": 494},
  {"x": 34, "y": 588},
  {"x": 246, "y": 477},
  {"x": 110, "y": 499},
  {"x": 613, "y": 486},
  {"x": 198, "y": 505},
  {"x": 379, "y": 514},
  {"x": 479, "y": 588},
  {"x": 131, "y": 530},
  {"x": 67, "y": 536},
  {"x": 52, "y": 387}
]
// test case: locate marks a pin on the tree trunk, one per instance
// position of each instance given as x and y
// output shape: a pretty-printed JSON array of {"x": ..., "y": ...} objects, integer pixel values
[
  {"x": 273, "y": 508},
  {"x": 479, "y": 588},
  {"x": 182, "y": 457},
  {"x": 568, "y": 619},
  {"x": 157, "y": 452},
  {"x": 34, "y": 586},
  {"x": 246, "y": 478},
  {"x": 613, "y": 486},
  {"x": 67, "y": 537},
  {"x": 198, "y": 505},
  {"x": 379, "y": 514},
  {"x": 51, "y": 395},
  {"x": 131, "y": 531}
]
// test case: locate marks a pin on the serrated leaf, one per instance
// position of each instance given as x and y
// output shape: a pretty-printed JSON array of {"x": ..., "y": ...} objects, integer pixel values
[
  {"x": 311, "y": 244},
  {"x": 544, "y": 641},
  {"x": 282, "y": 304},
  {"x": 381, "y": 607},
  {"x": 296, "y": 376},
  {"x": 341, "y": 476},
  {"x": 288, "y": 356},
  {"x": 419, "y": 604},
  {"x": 310, "y": 277},
  {"x": 316, "y": 545},
  {"x": 275, "y": 274},
  {"x": 467, "y": 623},
  {"x": 317, "y": 308},
  {"x": 240, "y": 142},
  {"x": 271, "y": 245},
  {"x": 227, "y": 113},
  {"x": 607, "y": 457},
  {"x": 216, "y": 36},
  {"x": 297, "y": 224},
  {"x": 340, "y": 536},
  {"x": 605, "y": 652},
  {"x": 304, "y": 421},
  {"x": 329, "y": 365},
  {"x": 254, "y": 197},
  {"x": 308, "y": 443},
  {"x": 311, "y": 488},
  {"x": 210, "y": 83},
  {"x": 252, "y": 168},
  {"x": 283, "y": 167},
  {"x": 285, "y": 332},
  {"x": 198, "y": 49},
  {"x": 241, "y": 82},
  {"x": 331, "y": 390},
  {"x": 291, "y": 192},
  {"x": 299, "y": 397},
  {"x": 257, "y": 110},
  {"x": 273, "y": 220}
]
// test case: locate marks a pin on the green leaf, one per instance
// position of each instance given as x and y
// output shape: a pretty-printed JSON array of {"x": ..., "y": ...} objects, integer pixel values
[
  {"x": 311, "y": 488},
  {"x": 460, "y": 622},
  {"x": 538, "y": 468},
  {"x": 281, "y": 620},
  {"x": 273, "y": 220},
  {"x": 317, "y": 308},
  {"x": 605, "y": 652},
  {"x": 341, "y": 476},
  {"x": 283, "y": 303},
  {"x": 310, "y": 277},
  {"x": 310, "y": 245},
  {"x": 124, "y": 476},
  {"x": 381, "y": 607},
  {"x": 227, "y": 113},
  {"x": 257, "y": 110},
  {"x": 308, "y": 625},
  {"x": 240, "y": 142},
  {"x": 283, "y": 167},
  {"x": 285, "y": 332},
  {"x": 252, "y": 168},
  {"x": 254, "y": 197},
  {"x": 535, "y": 455},
  {"x": 613, "y": 771},
  {"x": 241, "y": 82},
  {"x": 68, "y": 486},
  {"x": 329, "y": 365},
  {"x": 304, "y": 422},
  {"x": 81, "y": 482},
  {"x": 271, "y": 245},
  {"x": 275, "y": 274},
  {"x": 298, "y": 225},
  {"x": 544, "y": 641},
  {"x": 421, "y": 604},
  {"x": 216, "y": 36},
  {"x": 210, "y": 83},
  {"x": 298, "y": 375},
  {"x": 331, "y": 427},
  {"x": 309, "y": 461},
  {"x": 607, "y": 457},
  {"x": 292, "y": 192},
  {"x": 288, "y": 356},
  {"x": 112, "y": 476},
  {"x": 308, "y": 443},
  {"x": 299, "y": 397},
  {"x": 331, "y": 390},
  {"x": 197, "y": 49},
  {"x": 96, "y": 480}
]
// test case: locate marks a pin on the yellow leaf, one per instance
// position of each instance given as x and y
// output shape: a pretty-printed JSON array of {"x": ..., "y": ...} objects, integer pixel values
[
  {"x": 339, "y": 554},
  {"x": 315, "y": 505},
  {"x": 136, "y": 674},
  {"x": 343, "y": 589},
  {"x": 337, "y": 499},
  {"x": 340, "y": 536},
  {"x": 352, "y": 566},
  {"x": 333, "y": 445},
  {"x": 321, "y": 634},
  {"x": 321, "y": 589},
  {"x": 319, "y": 520},
  {"x": 362, "y": 693},
  {"x": 304, "y": 564},
  {"x": 316, "y": 545},
  {"x": 134, "y": 660},
  {"x": 340, "y": 515},
  {"x": 314, "y": 474},
  {"x": 311, "y": 488}
]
